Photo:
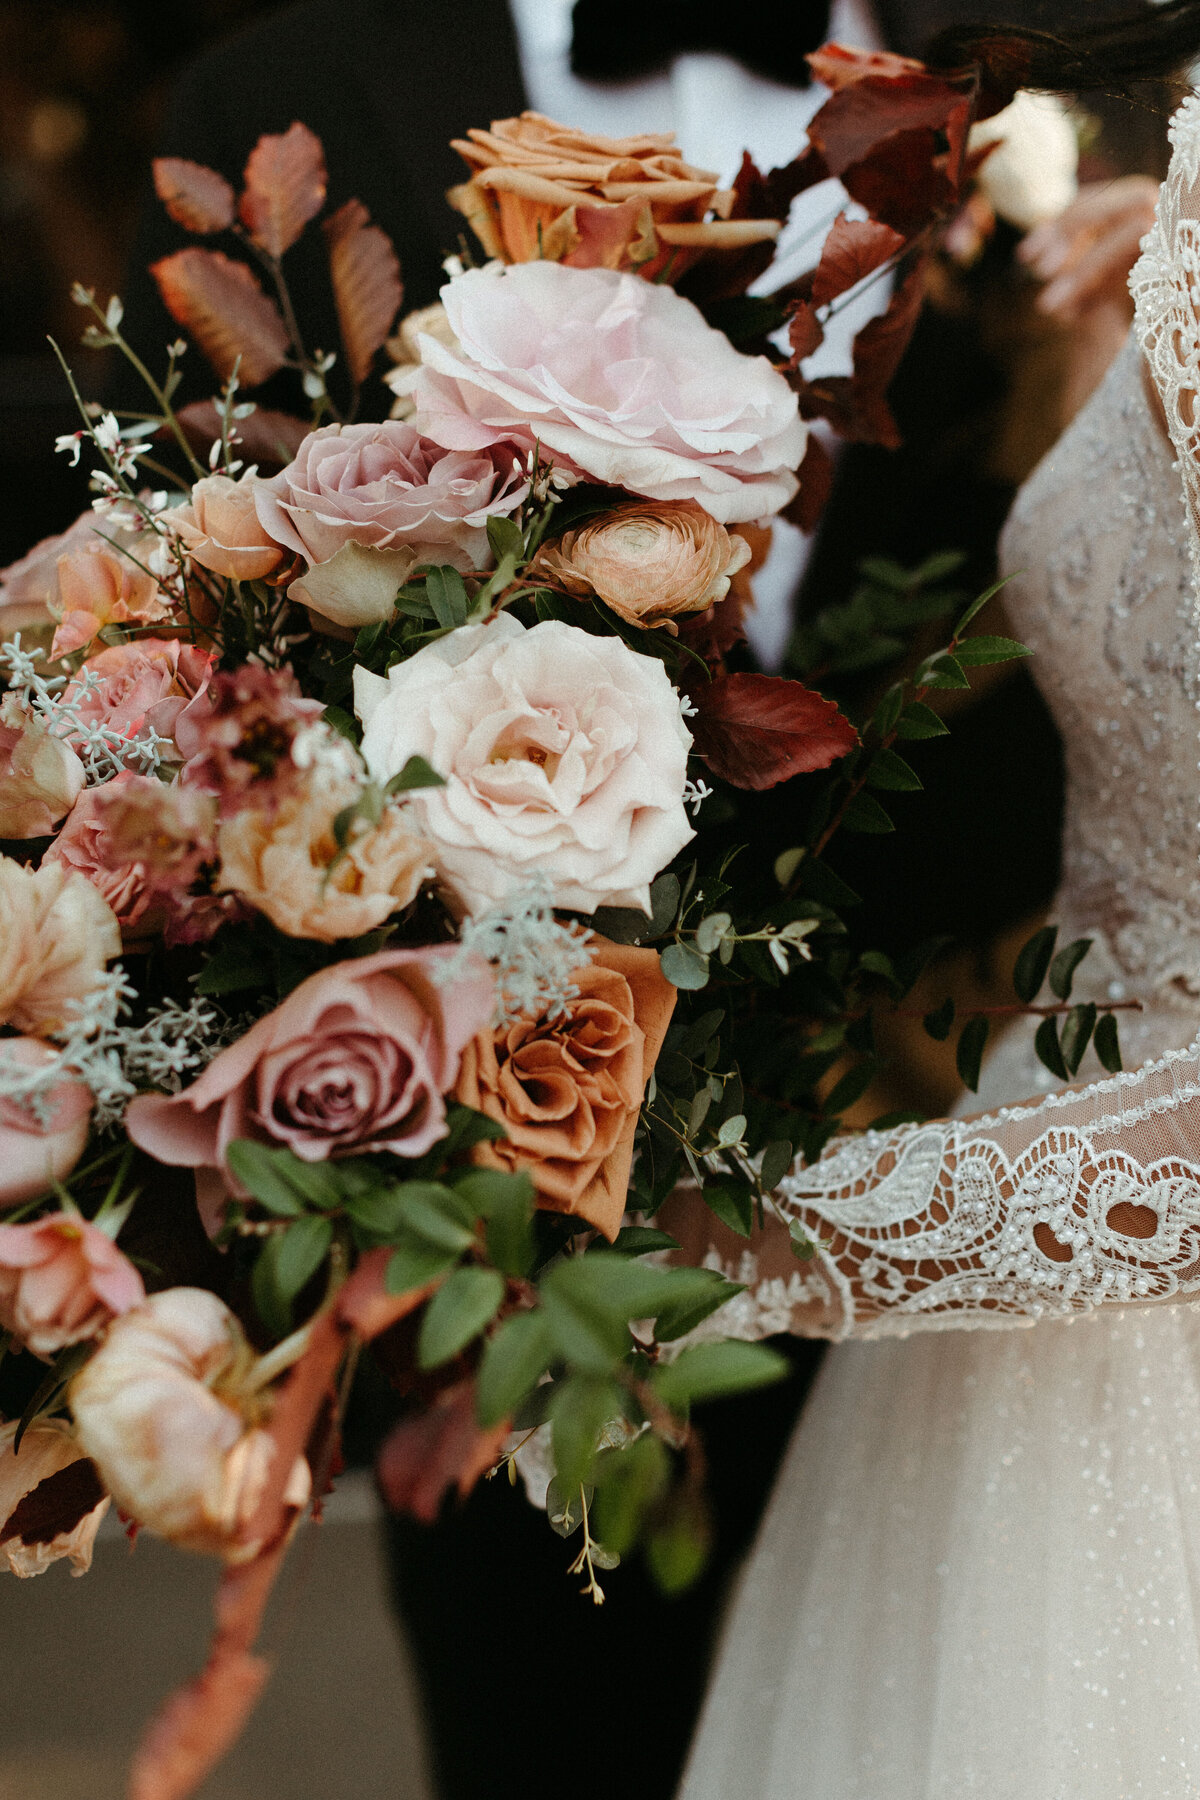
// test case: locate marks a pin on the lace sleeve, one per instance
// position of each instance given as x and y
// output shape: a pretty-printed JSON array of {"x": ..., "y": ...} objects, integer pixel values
[{"x": 1088, "y": 1198}]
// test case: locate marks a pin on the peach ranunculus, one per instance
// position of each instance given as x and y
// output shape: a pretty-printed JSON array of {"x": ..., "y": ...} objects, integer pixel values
[
  {"x": 142, "y": 685},
  {"x": 62, "y": 1280},
  {"x": 41, "y": 1139},
  {"x": 286, "y": 862},
  {"x": 646, "y": 562},
  {"x": 40, "y": 776},
  {"x": 355, "y": 1060},
  {"x": 384, "y": 489},
  {"x": 564, "y": 756},
  {"x": 170, "y": 1409},
  {"x": 544, "y": 191},
  {"x": 221, "y": 529},
  {"x": 41, "y": 1523},
  {"x": 99, "y": 586},
  {"x": 568, "y": 1089},
  {"x": 56, "y": 935},
  {"x": 618, "y": 380}
]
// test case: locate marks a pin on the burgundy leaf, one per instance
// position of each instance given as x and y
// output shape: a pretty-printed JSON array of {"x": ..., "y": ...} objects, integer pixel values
[
  {"x": 222, "y": 305},
  {"x": 805, "y": 332},
  {"x": 758, "y": 730},
  {"x": 440, "y": 1447},
  {"x": 839, "y": 65},
  {"x": 194, "y": 195},
  {"x": 366, "y": 284},
  {"x": 285, "y": 188},
  {"x": 857, "y": 119},
  {"x": 265, "y": 437},
  {"x": 854, "y": 249},
  {"x": 903, "y": 182},
  {"x": 816, "y": 485},
  {"x": 769, "y": 196},
  {"x": 856, "y": 406}
]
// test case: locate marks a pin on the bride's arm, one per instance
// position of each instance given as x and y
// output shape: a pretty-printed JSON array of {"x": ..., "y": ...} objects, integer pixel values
[{"x": 1089, "y": 1198}]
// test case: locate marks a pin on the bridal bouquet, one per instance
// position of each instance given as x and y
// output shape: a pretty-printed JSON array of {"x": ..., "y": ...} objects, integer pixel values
[{"x": 379, "y": 942}]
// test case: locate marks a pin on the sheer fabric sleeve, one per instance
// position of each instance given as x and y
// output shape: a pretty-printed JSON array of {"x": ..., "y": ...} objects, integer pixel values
[{"x": 1089, "y": 1198}]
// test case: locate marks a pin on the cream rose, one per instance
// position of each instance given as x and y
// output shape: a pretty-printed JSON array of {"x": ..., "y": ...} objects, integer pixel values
[
  {"x": 40, "y": 777},
  {"x": 564, "y": 755},
  {"x": 56, "y": 934},
  {"x": 647, "y": 562},
  {"x": 619, "y": 380},
  {"x": 1032, "y": 174},
  {"x": 286, "y": 862}
]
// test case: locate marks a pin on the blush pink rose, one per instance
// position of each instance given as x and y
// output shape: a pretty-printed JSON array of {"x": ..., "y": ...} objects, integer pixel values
[
  {"x": 98, "y": 586},
  {"x": 618, "y": 379},
  {"x": 388, "y": 488},
  {"x": 142, "y": 685},
  {"x": 39, "y": 1146},
  {"x": 62, "y": 1280},
  {"x": 357, "y": 1059}
]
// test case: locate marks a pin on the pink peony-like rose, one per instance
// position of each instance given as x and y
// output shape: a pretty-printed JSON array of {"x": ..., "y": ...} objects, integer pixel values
[
  {"x": 238, "y": 736},
  {"x": 140, "y": 686},
  {"x": 42, "y": 1517},
  {"x": 386, "y": 487},
  {"x": 84, "y": 844},
  {"x": 356, "y": 1059},
  {"x": 40, "y": 1142},
  {"x": 40, "y": 776},
  {"x": 620, "y": 380},
  {"x": 221, "y": 529},
  {"x": 62, "y": 1280},
  {"x": 564, "y": 757}
]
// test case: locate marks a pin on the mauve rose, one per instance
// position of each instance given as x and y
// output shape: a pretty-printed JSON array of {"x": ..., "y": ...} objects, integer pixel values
[
  {"x": 62, "y": 1280},
  {"x": 221, "y": 529},
  {"x": 388, "y": 488},
  {"x": 55, "y": 1525},
  {"x": 619, "y": 380},
  {"x": 39, "y": 1146},
  {"x": 40, "y": 776},
  {"x": 356, "y": 1059},
  {"x": 141, "y": 686},
  {"x": 564, "y": 757}
]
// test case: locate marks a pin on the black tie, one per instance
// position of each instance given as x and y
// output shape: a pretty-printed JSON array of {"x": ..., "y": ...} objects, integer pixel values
[{"x": 620, "y": 40}]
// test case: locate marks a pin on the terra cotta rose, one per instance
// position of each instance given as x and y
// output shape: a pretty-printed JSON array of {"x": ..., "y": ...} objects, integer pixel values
[{"x": 568, "y": 1089}]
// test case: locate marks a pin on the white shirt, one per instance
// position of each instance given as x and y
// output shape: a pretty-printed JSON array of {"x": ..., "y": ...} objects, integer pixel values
[{"x": 717, "y": 109}]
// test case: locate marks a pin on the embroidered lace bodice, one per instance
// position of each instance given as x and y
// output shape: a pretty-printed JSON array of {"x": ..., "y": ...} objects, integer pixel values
[{"x": 1090, "y": 1197}]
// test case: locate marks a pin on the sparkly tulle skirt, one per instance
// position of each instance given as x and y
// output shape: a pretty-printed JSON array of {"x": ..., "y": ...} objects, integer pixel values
[{"x": 980, "y": 1570}]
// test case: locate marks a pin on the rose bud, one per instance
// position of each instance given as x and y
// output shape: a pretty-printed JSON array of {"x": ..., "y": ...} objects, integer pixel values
[
  {"x": 170, "y": 1409},
  {"x": 647, "y": 562},
  {"x": 51, "y": 1499},
  {"x": 62, "y": 1280},
  {"x": 221, "y": 529},
  {"x": 42, "y": 1140}
]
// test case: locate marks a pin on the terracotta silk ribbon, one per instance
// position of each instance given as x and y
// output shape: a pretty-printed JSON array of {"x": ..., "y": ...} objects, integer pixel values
[{"x": 621, "y": 40}]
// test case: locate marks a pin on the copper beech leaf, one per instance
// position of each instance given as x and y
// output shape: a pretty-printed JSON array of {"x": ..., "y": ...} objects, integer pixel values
[
  {"x": 195, "y": 196},
  {"x": 757, "y": 730},
  {"x": 816, "y": 485},
  {"x": 264, "y": 437},
  {"x": 285, "y": 188},
  {"x": 854, "y": 249},
  {"x": 366, "y": 283},
  {"x": 805, "y": 332},
  {"x": 221, "y": 304},
  {"x": 856, "y": 405},
  {"x": 436, "y": 1449}
]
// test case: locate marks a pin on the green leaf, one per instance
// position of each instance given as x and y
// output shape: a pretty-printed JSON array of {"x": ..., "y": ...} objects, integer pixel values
[
  {"x": 818, "y": 881},
  {"x": 711, "y": 930},
  {"x": 684, "y": 967},
  {"x": 458, "y": 1312},
  {"x": 235, "y": 964},
  {"x": 776, "y": 1162},
  {"x": 415, "y": 1264},
  {"x": 580, "y": 1409},
  {"x": 733, "y": 1130},
  {"x": 676, "y": 1320},
  {"x": 887, "y": 713},
  {"x": 564, "y": 1508},
  {"x": 303, "y": 1247},
  {"x": 1062, "y": 969},
  {"x": 864, "y": 813},
  {"x": 416, "y": 773},
  {"x": 977, "y": 652},
  {"x": 621, "y": 924},
  {"x": 1077, "y": 1030},
  {"x": 874, "y": 962},
  {"x": 1107, "y": 1043},
  {"x": 977, "y": 605},
  {"x": 510, "y": 1227},
  {"x": 802, "y": 1246},
  {"x": 641, "y": 1240},
  {"x": 677, "y": 1550},
  {"x": 263, "y": 1172},
  {"x": 515, "y": 1358},
  {"x": 710, "y": 1371},
  {"x": 938, "y": 1022},
  {"x": 664, "y": 904},
  {"x": 448, "y": 597},
  {"x": 701, "y": 1031},
  {"x": 1033, "y": 960},
  {"x": 504, "y": 535},
  {"x": 1046, "y": 1044},
  {"x": 628, "y": 1482},
  {"x": 888, "y": 770},
  {"x": 852, "y": 1086},
  {"x": 944, "y": 671},
  {"x": 969, "y": 1055},
  {"x": 920, "y": 721},
  {"x": 422, "y": 1209},
  {"x": 787, "y": 862},
  {"x": 733, "y": 1204}
]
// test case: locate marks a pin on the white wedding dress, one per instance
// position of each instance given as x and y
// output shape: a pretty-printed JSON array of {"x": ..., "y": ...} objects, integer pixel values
[{"x": 980, "y": 1571}]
